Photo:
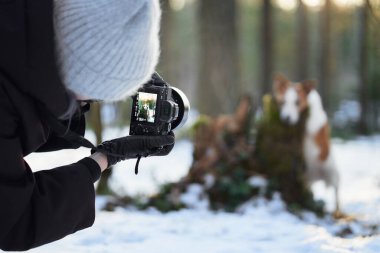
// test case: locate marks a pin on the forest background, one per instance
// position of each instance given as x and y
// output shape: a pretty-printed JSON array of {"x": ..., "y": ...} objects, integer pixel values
[{"x": 218, "y": 50}]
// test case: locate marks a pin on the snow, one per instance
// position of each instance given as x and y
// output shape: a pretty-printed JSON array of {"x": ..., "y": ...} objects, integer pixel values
[
  {"x": 259, "y": 226},
  {"x": 194, "y": 197},
  {"x": 258, "y": 182},
  {"x": 348, "y": 112},
  {"x": 209, "y": 181}
]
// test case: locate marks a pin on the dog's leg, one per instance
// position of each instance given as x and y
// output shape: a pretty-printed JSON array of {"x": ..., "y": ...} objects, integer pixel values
[
  {"x": 337, "y": 214},
  {"x": 337, "y": 206}
]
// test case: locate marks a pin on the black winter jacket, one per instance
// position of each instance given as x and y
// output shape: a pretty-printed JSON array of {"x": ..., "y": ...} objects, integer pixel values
[{"x": 35, "y": 208}]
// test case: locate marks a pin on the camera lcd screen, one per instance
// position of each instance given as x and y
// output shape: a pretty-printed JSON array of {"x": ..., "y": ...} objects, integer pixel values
[{"x": 146, "y": 107}]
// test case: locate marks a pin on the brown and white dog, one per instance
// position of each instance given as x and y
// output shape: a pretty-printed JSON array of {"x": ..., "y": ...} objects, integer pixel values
[{"x": 293, "y": 99}]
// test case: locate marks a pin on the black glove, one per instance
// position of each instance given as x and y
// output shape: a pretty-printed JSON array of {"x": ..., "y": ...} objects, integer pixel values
[{"x": 135, "y": 146}]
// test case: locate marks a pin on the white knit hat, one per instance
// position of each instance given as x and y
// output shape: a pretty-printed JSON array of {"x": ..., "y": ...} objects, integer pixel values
[{"x": 106, "y": 48}]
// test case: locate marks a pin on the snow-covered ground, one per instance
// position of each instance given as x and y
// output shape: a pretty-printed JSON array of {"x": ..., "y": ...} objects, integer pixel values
[{"x": 261, "y": 226}]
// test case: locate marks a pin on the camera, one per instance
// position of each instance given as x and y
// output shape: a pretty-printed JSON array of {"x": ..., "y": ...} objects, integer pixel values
[{"x": 158, "y": 108}]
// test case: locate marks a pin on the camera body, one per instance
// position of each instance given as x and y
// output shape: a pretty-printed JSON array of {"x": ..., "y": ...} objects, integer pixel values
[{"x": 158, "y": 108}]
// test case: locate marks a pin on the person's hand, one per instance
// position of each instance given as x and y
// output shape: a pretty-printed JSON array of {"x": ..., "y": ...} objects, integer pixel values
[{"x": 134, "y": 146}]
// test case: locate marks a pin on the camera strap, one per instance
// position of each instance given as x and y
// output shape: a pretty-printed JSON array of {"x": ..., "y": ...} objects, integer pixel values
[{"x": 137, "y": 164}]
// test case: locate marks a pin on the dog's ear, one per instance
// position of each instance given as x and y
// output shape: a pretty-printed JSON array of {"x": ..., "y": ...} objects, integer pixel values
[
  {"x": 308, "y": 85},
  {"x": 280, "y": 84}
]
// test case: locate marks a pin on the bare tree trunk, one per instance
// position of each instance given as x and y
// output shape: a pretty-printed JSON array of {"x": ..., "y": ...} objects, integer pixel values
[
  {"x": 363, "y": 69},
  {"x": 166, "y": 58},
  {"x": 302, "y": 42},
  {"x": 97, "y": 125},
  {"x": 325, "y": 53},
  {"x": 96, "y": 122},
  {"x": 267, "y": 46},
  {"x": 219, "y": 85}
]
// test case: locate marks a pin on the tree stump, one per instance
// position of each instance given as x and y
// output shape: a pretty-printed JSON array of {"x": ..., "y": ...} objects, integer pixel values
[
  {"x": 279, "y": 156},
  {"x": 223, "y": 163},
  {"x": 225, "y": 160}
]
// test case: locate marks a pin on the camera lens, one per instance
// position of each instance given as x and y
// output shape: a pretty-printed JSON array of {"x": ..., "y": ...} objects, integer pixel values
[
  {"x": 183, "y": 107},
  {"x": 168, "y": 111}
]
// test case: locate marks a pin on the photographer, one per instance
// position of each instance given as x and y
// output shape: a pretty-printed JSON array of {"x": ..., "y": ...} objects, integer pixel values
[{"x": 52, "y": 54}]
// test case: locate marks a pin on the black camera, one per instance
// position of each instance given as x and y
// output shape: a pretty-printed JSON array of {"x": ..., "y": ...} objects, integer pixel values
[{"x": 158, "y": 108}]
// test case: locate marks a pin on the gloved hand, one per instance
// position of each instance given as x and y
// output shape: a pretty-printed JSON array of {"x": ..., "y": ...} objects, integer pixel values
[{"x": 134, "y": 146}]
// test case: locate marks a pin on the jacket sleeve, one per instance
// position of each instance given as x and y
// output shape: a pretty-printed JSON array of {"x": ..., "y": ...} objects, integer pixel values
[{"x": 38, "y": 208}]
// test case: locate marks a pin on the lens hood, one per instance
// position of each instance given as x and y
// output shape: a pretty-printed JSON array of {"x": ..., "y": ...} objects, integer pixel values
[{"x": 184, "y": 107}]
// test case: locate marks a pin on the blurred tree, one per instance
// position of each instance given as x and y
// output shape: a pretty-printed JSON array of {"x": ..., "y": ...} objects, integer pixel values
[
  {"x": 325, "y": 53},
  {"x": 363, "y": 68},
  {"x": 219, "y": 84},
  {"x": 250, "y": 50},
  {"x": 373, "y": 64},
  {"x": 96, "y": 122},
  {"x": 97, "y": 126},
  {"x": 166, "y": 57},
  {"x": 302, "y": 42},
  {"x": 178, "y": 63},
  {"x": 267, "y": 46}
]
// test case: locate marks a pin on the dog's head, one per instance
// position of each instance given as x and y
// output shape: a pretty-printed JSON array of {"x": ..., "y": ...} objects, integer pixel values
[{"x": 291, "y": 97}]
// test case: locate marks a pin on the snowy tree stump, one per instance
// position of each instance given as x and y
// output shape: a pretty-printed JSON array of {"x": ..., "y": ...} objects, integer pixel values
[{"x": 279, "y": 156}]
